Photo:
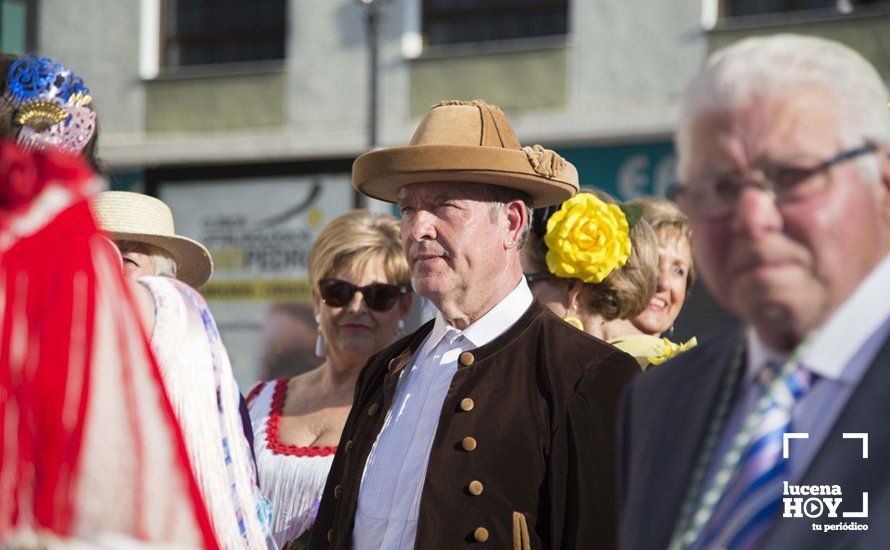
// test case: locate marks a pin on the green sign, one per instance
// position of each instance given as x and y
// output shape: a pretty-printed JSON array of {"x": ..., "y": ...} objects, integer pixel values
[
  {"x": 13, "y": 27},
  {"x": 626, "y": 171}
]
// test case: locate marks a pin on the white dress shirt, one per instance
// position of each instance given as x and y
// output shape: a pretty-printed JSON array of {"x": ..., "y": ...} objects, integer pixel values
[{"x": 392, "y": 483}]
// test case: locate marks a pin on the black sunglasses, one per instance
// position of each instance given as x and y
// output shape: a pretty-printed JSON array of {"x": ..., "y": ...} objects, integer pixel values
[{"x": 378, "y": 296}]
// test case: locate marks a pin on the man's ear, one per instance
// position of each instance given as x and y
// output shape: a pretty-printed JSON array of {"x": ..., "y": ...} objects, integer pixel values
[{"x": 516, "y": 221}]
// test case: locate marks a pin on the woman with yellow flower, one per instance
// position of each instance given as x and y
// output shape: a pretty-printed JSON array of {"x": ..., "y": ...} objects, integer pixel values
[
  {"x": 676, "y": 272},
  {"x": 595, "y": 264}
]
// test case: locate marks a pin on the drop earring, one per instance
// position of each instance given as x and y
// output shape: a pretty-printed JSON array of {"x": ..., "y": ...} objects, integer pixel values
[
  {"x": 319, "y": 342},
  {"x": 400, "y": 327},
  {"x": 574, "y": 321},
  {"x": 572, "y": 318}
]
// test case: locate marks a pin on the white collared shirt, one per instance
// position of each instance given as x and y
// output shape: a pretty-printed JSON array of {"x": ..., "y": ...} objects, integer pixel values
[
  {"x": 392, "y": 483},
  {"x": 847, "y": 332},
  {"x": 839, "y": 353},
  {"x": 833, "y": 345}
]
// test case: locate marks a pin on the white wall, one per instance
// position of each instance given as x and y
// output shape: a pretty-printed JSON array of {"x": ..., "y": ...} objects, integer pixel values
[
  {"x": 630, "y": 51},
  {"x": 629, "y": 60},
  {"x": 99, "y": 41}
]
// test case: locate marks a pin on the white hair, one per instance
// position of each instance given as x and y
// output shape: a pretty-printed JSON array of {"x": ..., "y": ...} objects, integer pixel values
[
  {"x": 163, "y": 261},
  {"x": 762, "y": 66},
  {"x": 499, "y": 196}
]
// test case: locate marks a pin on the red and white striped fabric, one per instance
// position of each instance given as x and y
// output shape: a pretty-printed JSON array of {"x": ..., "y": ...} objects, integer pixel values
[{"x": 90, "y": 450}]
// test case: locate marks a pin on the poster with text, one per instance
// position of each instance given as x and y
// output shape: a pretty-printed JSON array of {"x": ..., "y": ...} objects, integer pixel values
[{"x": 259, "y": 232}]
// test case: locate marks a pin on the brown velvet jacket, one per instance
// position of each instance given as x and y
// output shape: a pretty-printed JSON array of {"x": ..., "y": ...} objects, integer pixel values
[{"x": 524, "y": 454}]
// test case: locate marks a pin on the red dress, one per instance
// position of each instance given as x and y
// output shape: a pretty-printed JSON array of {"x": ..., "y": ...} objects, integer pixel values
[{"x": 89, "y": 446}]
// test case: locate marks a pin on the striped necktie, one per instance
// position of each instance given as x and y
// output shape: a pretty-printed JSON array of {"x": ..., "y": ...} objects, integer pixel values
[{"x": 754, "y": 468}]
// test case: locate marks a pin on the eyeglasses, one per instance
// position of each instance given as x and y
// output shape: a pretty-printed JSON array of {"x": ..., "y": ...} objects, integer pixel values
[
  {"x": 712, "y": 198},
  {"x": 535, "y": 277},
  {"x": 378, "y": 296}
]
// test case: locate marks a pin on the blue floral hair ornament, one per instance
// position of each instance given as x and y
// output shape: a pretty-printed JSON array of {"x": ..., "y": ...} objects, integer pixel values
[
  {"x": 35, "y": 78},
  {"x": 52, "y": 105}
]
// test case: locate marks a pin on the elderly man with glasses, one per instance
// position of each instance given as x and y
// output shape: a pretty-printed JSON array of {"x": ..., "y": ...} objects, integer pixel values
[{"x": 774, "y": 435}]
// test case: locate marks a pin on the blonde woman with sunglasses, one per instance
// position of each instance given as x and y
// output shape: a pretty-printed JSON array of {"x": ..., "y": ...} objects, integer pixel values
[{"x": 361, "y": 295}]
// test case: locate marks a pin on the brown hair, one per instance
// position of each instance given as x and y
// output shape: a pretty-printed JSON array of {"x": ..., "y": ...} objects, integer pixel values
[
  {"x": 626, "y": 292},
  {"x": 8, "y": 129},
  {"x": 668, "y": 221},
  {"x": 355, "y": 239}
]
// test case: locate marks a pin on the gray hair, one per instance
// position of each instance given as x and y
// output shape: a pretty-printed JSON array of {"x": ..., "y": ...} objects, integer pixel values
[
  {"x": 164, "y": 263},
  {"x": 499, "y": 196},
  {"x": 762, "y": 66}
]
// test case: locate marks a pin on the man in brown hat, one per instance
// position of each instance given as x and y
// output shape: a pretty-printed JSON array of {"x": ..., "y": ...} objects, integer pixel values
[{"x": 494, "y": 423}]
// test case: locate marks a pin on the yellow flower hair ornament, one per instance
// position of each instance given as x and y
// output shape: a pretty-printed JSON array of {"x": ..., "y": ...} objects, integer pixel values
[{"x": 588, "y": 239}]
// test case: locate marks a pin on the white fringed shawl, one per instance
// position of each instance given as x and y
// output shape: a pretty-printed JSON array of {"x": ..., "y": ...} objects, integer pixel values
[
  {"x": 205, "y": 397},
  {"x": 291, "y": 477}
]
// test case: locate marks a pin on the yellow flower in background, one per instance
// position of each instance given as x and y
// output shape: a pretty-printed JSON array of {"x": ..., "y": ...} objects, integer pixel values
[
  {"x": 587, "y": 239},
  {"x": 669, "y": 349}
]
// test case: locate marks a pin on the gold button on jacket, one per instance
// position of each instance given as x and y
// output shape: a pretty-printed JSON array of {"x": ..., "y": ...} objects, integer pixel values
[
  {"x": 466, "y": 359},
  {"x": 544, "y": 399}
]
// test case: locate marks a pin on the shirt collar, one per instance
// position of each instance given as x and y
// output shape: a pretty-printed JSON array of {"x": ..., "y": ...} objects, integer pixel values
[
  {"x": 491, "y": 325},
  {"x": 838, "y": 340},
  {"x": 759, "y": 355}
]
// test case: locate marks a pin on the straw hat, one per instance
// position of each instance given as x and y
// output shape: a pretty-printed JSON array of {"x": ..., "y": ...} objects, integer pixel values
[
  {"x": 144, "y": 219},
  {"x": 466, "y": 141}
]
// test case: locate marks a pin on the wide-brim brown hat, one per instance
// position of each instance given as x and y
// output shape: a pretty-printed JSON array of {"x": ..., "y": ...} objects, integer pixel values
[
  {"x": 143, "y": 219},
  {"x": 470, "y": 142}
]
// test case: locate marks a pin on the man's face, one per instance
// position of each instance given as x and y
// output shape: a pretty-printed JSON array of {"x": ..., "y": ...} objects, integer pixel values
[
  {"x": 785, "y": 268},
  {"x": 452, "y": 243}
]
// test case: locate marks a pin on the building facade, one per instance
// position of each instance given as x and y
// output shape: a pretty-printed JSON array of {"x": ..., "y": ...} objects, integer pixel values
[{"x": 245, "y": 115}]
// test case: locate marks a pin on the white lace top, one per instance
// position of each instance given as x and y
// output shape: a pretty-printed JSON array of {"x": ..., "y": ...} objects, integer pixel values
[{"x": 291, "y": 477}]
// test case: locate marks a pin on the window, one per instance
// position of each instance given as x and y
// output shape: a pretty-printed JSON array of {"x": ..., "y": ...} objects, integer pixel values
[
  {"x": 756, "y": 7},
  {"x": 17, "y": 25},
  {"x": 203, "y": 32},
  {"x": 461, "y": 21}
]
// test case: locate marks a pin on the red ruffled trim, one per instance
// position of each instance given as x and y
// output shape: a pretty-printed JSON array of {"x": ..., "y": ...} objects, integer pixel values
[
  {"x": 273, "y": 425},
  {"x": 254, "y": 392}
]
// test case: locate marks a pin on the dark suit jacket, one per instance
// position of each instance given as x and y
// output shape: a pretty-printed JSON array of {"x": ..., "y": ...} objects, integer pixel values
[
  {"x": 545, "y": 405},
  {"x": 663, "y": 423}
]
